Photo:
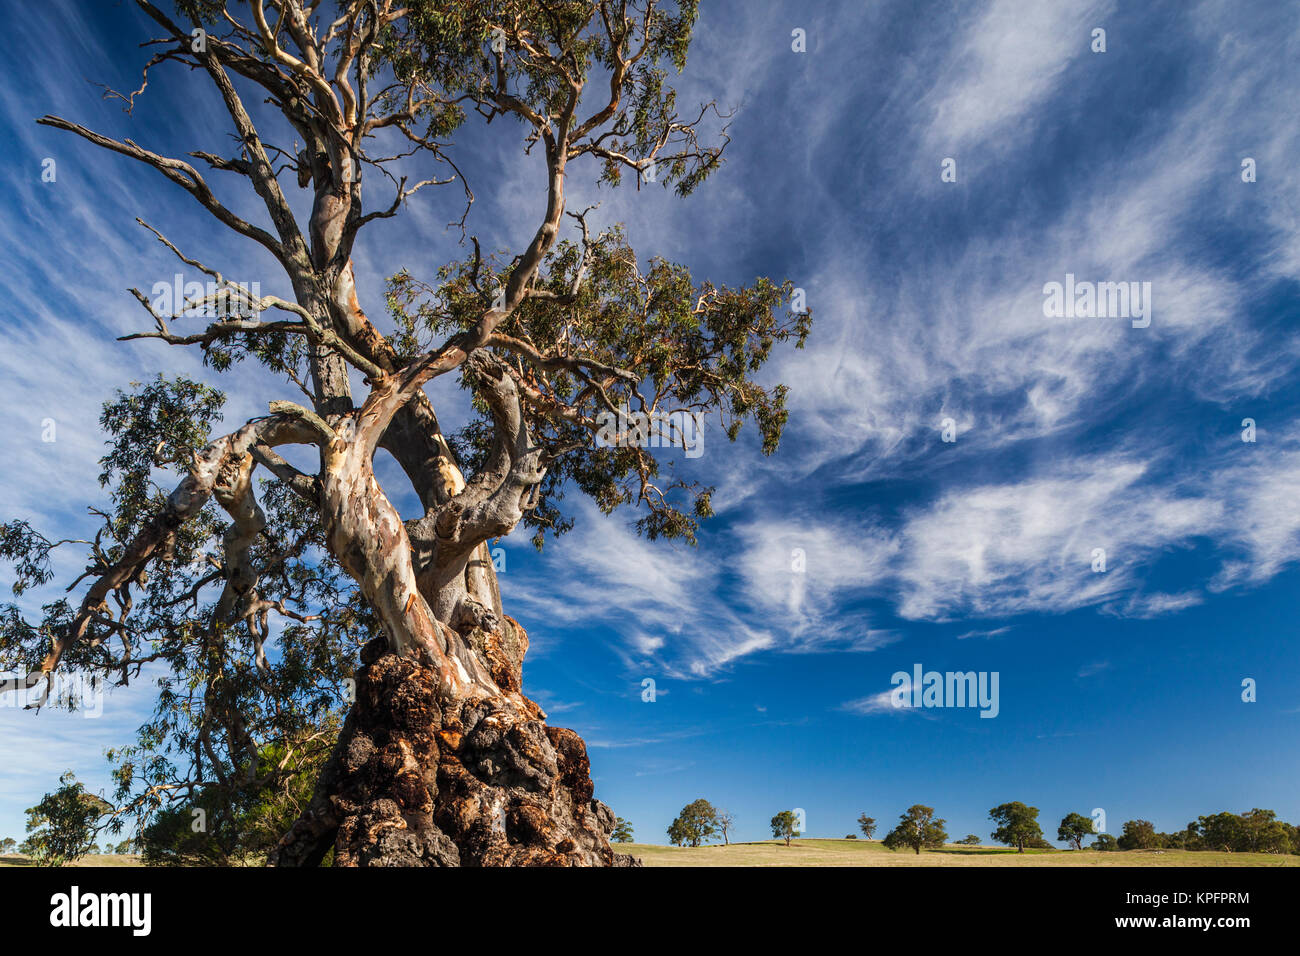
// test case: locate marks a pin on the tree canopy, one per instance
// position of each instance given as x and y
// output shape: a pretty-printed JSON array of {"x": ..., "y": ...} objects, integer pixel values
[
  {"x": 62, "y": 827},
  {"x": 696, "y": 823},
  {"x": 918, "y": 829},
  {"x": 1074, "y": 827},
  {"x": 785, "y": 826},
  {"x": 1017, "y": 825}
]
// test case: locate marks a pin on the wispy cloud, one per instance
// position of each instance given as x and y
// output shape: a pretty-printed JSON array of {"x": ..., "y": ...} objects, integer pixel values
[
  {"x": 880, "y": 703},
  {"x": 996, "y": 632},
  {"x": 1093, "y": 669},
  {"x": 1010, "y": 58}
]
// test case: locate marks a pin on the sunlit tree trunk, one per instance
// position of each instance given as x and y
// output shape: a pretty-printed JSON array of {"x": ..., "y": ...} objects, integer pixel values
[{"x": 442, "y": 760}]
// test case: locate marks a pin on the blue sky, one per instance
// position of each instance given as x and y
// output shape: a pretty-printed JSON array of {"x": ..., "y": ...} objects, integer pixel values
[{"x": 1119, "y": 690}]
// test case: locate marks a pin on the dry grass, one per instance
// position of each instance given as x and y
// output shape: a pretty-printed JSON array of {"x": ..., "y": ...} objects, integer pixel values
[
  {"x": 94, "y": 859},
  {"x": 863, "y": 853},
  {"x": 871, "y": 853}
]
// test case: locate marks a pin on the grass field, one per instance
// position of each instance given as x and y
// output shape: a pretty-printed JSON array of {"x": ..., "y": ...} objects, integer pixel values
[
  {"x": 872, "y": 853},
  {"x": 96, "y": 859}
]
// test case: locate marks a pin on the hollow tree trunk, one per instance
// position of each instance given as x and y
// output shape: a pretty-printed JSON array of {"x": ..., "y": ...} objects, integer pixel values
[{"x": 442, "y": 761}]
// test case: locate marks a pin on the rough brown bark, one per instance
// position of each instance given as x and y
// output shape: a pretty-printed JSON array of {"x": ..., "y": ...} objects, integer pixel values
[{"x": 421, "y": 777}]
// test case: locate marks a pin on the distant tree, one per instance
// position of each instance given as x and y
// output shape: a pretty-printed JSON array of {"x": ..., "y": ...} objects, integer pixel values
[
  {"x": 1105, "y": 842},
  {"x": 1138, "y": 835},
  {"x": 867, "y": 825},
  {"x": 725, "y": 823},
  {"x": 785, "y": 825},
  {"x": 969, "y": 840},
  {"x": 850, "y": 836},
  {"x": 61, "y": 828},
  {"x": 1171, "y": 841},
  {"x": 1263, "y": 832},
  {"x": 917, "y": 828},
  {"x": 1294, "y": 833},
  {"x": 1074, "y": 827},
  {"x": 1017, "y": 825},
  {"x": 695, "y": 824},
  {"x": 1220, "y": 831},
  {"x": 8, "y": 845},
  {"x": 622, "y": 831}
]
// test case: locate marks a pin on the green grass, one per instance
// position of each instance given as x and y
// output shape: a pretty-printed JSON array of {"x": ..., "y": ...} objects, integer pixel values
[{"x": 808, "y": 852}]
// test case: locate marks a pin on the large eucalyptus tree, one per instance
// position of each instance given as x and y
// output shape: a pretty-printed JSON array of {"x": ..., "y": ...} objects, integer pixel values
[{"x": 582, "y": 359}]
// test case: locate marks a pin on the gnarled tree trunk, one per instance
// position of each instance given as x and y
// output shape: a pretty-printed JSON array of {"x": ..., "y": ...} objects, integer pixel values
[
  {"x": 424, "y": 778},
  {"x": 442, "y": 761}
]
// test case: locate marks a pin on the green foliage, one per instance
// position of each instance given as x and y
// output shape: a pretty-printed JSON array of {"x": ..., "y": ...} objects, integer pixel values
[
  {"x": 785, "y": 826},
  {"x": 158, "y": 425},
  {"x": 969, "y": 839},
  {"x": 917, "y": 829},
  {"x": 696, "y": 823},
  {"x": 1017, "y": 825},
  {"x": 622, "y": 831},
  {"x": 1258, "y": 831},
  {"x": 450, "y": 48},
  {"x": 1218, "y": 831},
  {"x": 61, "y": 828},
  {"x": 8, "y": 845},
  {"x": 1264, "y": 833},
  {"x": 689, "y": 346},
  {"x": 221, "y": 703},
  {"x": 867, "y": 825},
  {"x": 1074, "y": 827},
  {"x": 201, "y": 11},
  {"x": 224, "y": 827},
  {"x": 29, "y": 551},
  {"x": 1105, "y": 842},
  {"x": 1138, "y": 835}
]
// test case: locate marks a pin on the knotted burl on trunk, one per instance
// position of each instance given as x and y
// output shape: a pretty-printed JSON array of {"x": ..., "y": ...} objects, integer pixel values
[{"x": 418, "y": 779}]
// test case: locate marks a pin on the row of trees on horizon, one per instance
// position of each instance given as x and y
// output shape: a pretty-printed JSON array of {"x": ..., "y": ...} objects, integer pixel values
[
  {"x": 1258, "y": 831},
  {"x": 65, "y": 826}
]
